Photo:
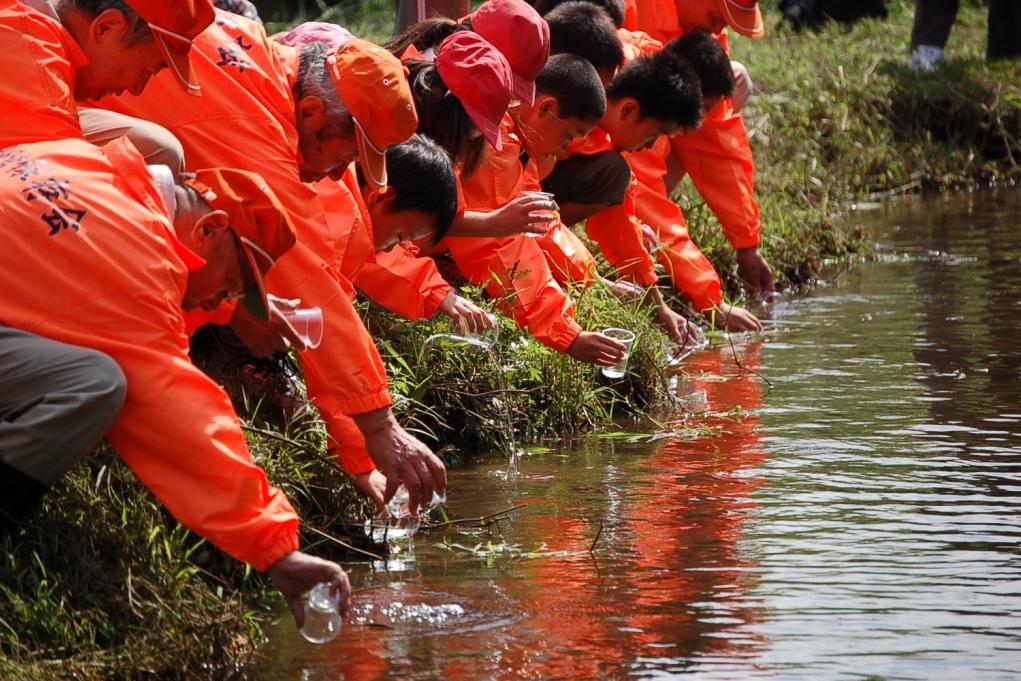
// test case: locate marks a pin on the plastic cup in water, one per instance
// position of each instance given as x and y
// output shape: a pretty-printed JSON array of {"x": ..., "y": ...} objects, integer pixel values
[
  {"x": 626, "y": 338},
  {"x": 322, "y": 615},
  {"x": 544, "y": 215},
  {"x": 308, "y": 323}
]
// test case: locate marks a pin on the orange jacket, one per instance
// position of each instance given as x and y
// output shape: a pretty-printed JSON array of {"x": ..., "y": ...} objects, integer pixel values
[
  {"x": 245, "y": 118},
  {"x": 91, "y": 259},
  {"x": 38, "y": 58},
  {"x": 618, "y": 231},
  {"x": 513, "y": 267}
]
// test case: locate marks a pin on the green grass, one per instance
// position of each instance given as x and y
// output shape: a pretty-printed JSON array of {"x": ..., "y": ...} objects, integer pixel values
[{"x": 102, "y": 584}]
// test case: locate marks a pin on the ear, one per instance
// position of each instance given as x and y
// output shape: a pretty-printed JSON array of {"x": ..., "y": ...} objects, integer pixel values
[
  {"x": 547, "y": 104},
  {"x": 310, "y": 114},
  {"x": 630, "y": 110},
  {"x": 110, "y": 26},
  {"x": 382, "y": 198},
  {"x": 210, "y": 225}
]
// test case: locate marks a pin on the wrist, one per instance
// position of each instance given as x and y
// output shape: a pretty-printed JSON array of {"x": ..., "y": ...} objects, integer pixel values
[{"x": 374, "y": 423}]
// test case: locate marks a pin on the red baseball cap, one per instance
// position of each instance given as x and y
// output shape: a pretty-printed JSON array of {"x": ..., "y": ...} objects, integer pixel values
[
  {"x": 480, "y": 77},
  {"x": 257, "y": 217},
  {"x": 174, "y": 26},
  {"x": 521, "y": 35},
  {"x": 744, "y": 17}
]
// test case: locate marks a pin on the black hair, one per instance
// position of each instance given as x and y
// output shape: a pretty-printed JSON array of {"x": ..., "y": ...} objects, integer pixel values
[
  {"x": 708, "y": 59},
  {"x": 614, "y": 8},
  {"x": 442, "y": 117},
  {"x": 421, "y": 176},
  {"x": 425, "y": 34},
  {"x": 138, "y": 30},
  {"x": 584, "y": 29},
  {"x": 665, "y": 86},
  {"x": 574, "y": 83}
]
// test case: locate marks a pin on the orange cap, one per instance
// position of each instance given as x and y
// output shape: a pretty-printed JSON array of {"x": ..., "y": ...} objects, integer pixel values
[
  {"x": 174, "y": 25},
  {"x": 744, "y": 17},
  {"x": 258, "y": 219},
  {"x": 373, "y": 84}
]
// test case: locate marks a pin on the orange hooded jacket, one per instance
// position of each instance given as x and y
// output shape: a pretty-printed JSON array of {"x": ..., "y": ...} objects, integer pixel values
[
  {"x": 513, "y": 267},
  {"x": 38, "y": 58},
  {"x": 246, "y": 118},
  {"x": 91, "y": 259}
]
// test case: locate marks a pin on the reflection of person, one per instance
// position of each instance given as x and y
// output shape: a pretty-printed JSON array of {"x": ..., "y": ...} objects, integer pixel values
[
  {"x": 131, "y": 257},
  {"x": 935, "y": 18}
]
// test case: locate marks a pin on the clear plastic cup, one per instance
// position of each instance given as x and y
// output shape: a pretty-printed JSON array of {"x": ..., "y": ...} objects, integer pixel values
[
  {"x": 485, "y": 340},
  {"x": 625, "y": 337},
  {"x": 322, "y": 615},
  {"x": 308, "y": 323},
  {"x": 546, "y": 215}
]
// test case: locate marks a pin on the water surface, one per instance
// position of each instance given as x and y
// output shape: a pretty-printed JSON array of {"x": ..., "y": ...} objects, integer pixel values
[{"x": 855, "y": 517}]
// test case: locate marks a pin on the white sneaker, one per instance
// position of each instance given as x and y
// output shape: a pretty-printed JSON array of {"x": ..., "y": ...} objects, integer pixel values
[{"x": 925, "y": 58}]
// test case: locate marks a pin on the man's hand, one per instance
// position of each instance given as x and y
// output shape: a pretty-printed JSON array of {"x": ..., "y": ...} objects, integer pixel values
[
  {"x": 755, "y": 271},
  {"x": 466, "y": 315},
  {"x": 265, "y": 338},
  {"x": 297, "y": 572},
  {"x": 733, "y": 318},
  {"x": 681, "y": 332},
  {"x": 595, "y": 348},
  {"x": 402, "y": 458},
  {"x": 372, "y": 485}
]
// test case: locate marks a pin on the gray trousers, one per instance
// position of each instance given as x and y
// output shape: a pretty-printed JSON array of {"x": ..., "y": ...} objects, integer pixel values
[
  {"x": 56, "y": 403},
  {"x": 935, "y": 18}
]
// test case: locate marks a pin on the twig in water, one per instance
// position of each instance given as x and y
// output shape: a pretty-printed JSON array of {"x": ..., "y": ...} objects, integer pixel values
[
  {"x": 482, "y": 521},
  {"x": 346, "y": 545},
  {"x": 737, "y": 360},
  {"x": 592, "y": 549}
]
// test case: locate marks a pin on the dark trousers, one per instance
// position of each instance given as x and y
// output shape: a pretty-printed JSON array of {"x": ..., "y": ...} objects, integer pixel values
[{"x": 934, "y": 18}]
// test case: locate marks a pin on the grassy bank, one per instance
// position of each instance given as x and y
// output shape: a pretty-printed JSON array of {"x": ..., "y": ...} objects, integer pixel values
[{"x": 102, "y": 584}]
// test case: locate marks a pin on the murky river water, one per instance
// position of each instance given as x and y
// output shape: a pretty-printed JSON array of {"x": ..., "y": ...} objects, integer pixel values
[{"x": 860, "y": 518}]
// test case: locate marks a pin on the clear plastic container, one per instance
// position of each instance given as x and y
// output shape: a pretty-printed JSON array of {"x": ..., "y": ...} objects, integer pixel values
[
  {"x": 626, "y": 338},
  {"x": 322, "y": 615}
]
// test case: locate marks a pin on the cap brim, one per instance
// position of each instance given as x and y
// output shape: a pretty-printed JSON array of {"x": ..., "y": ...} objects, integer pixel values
[
  {"x": 489, "y": 129},
  {"x": 524, "y": 89},
  {"x": 178, "y": 62},
  {"x": 255, "y": 299},
  {"x": 373, "y": 163},
  {"x": 746, "y": 21}
]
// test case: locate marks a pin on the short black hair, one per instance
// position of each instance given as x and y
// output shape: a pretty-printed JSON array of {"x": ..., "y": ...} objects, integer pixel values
[
  {"x": 665, "y": 86},
  {"x": 614, "y": 8},
  {"x": 708, "y": 59},
  {"x": 139, "y": 30},
  {"x": 584, "y": 29},
  {"x": 422, "y": 178},
  {"x": 442, "y": 117},
  {"x": 574, "y": 83}
]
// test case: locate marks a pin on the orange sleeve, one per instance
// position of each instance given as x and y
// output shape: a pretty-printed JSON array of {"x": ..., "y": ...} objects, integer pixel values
[
  {"x": 37, "y": 91},
  {"x": 719, "y": 161},
  {"x": 514, "y": 271},
  {"x": 346, "y": 371},
  {"x": 688, "y": 268},
  {"x": 404, "y": 283},
  {"x": 569, "y": 259}
]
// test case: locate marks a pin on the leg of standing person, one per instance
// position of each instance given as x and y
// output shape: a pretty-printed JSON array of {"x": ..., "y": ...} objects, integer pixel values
[
  {"x": 56, "y": 403},
  {"x": 933, "y": 21},
  {"x": 1004, "y": 29},
  {"x": 407, "y": 12}
]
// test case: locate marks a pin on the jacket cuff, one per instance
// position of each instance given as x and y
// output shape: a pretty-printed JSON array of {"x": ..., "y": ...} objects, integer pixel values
[
  {"x": 269, "y": 556},
  {"x": 365, "y": 403},
  {"x": 434, "y": 299}
]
